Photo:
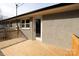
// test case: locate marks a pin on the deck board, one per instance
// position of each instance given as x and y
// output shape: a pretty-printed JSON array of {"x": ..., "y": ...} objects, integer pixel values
[
  {"x": 10, "y": 42},
  {"x": 33, "y": 48}
]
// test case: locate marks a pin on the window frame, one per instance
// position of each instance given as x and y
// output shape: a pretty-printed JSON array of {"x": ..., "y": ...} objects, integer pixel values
[
  {"x": 25, "y": 24},
  {"x": 22, "y": 24}
]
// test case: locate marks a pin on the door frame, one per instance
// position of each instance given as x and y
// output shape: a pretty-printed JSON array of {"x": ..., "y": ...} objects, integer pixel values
[{"x": 38, "y": 38}]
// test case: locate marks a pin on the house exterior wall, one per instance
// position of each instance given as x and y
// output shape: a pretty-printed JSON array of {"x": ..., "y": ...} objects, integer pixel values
[
  {"x": 57, "y": 29},
  {"x": 14, "y": 26},
  {"x": 27, "y": 31}
]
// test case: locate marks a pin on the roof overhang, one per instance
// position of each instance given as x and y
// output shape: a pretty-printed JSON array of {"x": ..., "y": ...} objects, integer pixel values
[
  {"x": 53, "y": 11},
  {"x": 65, "y": 8}
]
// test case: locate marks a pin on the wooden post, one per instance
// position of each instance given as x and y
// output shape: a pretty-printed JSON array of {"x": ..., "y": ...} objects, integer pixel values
[
  {"x": 33, "y": 29},
  {"x": 75, "y": 45},
  {"x": 5, "y": 30},
  {"x": 17, "y": 27}
]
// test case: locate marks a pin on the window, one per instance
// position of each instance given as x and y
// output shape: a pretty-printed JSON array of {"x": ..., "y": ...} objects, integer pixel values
[
  {"x": 25, "y": 23},
  {"x": 10, "y": 24},
  {"x": 28, "y": 23}
]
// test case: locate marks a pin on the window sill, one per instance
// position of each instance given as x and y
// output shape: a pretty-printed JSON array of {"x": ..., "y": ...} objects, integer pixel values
[{"x": 25, "y": 28}]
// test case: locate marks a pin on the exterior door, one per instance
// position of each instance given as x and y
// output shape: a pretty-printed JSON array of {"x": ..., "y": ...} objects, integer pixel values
[{"x": 38, "y": 27}]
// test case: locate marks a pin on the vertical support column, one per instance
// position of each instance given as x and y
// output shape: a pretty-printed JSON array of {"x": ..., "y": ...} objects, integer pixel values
[
  {"x": 17, "y": 22},
  {"x": 33, "y": 29},
  {"x": 17, "y": 27},
  {"x": 5, "y": 30}
]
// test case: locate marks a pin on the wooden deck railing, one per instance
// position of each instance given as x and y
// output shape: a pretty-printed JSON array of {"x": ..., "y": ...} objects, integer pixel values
[
  {"x": 75, "y": 45},
  {"x": 74, "y": 51},
  {"x": 3, "y": 34},
  {"x": 10, "y": 34}
]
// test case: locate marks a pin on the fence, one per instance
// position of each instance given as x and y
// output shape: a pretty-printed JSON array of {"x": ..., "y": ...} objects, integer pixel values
[{"x": 8, "y": 32}]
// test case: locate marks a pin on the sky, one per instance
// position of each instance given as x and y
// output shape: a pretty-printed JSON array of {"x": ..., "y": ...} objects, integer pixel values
[{"x": 9, "y": 9}]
